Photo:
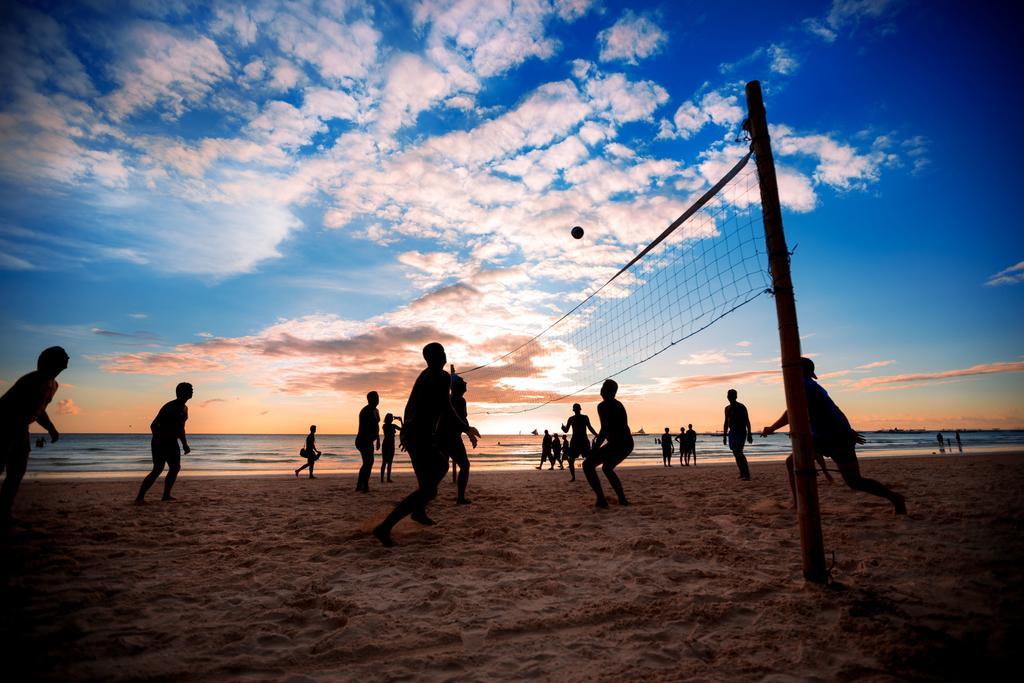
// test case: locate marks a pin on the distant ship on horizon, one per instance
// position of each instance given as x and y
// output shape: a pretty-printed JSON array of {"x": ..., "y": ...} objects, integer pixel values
[{"x": 640, "y": 432}]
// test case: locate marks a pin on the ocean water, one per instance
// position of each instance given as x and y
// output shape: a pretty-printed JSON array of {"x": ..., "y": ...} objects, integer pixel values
[{"x": 119, "y": 454}]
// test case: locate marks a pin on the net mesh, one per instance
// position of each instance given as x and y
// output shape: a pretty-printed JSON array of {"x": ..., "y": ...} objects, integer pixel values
[{"x": 709, "y": 265}]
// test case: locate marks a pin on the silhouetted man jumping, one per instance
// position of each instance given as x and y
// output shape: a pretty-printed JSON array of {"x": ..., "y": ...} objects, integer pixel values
[
  {"x": 429, "y": 403},
  {"x": 613, "y": 443},
  {"x": 579, "y": 443},
  {"x": 310, "y": 451},
  {"x": 367, "y": 439},
  {"x": 835, "y": 438},
  {"x": 168, "y": 428},
  {"x": 736, "y": 431},
  {"x": 21, "y": 405}
]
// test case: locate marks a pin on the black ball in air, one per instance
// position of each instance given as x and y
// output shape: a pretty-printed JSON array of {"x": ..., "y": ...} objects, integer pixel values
[{"x": 577, "y": 232}]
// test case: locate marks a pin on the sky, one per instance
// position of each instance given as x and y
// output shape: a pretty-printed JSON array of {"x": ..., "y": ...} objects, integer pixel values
[{"x": 281, "y": 202}]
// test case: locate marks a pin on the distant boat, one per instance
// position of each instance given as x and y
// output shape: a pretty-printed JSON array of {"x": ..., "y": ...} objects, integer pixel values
[
  {"x": 535, "y": 432},
  {"x": 641, "y": 432}
]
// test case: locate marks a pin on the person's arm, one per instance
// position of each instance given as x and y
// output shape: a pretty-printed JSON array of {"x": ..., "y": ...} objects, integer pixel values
[
  {"x": 821, "y": 463},
  {"x": 44, "y": 421},
  {"x": 725, "y": 427},
  {"x": 600, "y": 437},
  {"x": 590, "y": 427},
  {"x": 184, "y": 440},
  {"x": 776, "y": 426},
  {"x": 565, "y": 427},
  {"x": 750, "y": 430}
]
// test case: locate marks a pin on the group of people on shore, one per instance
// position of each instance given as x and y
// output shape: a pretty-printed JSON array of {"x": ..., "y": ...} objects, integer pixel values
[
  {"x": 687, "y": 439},
  {"x": 431, "y": 429}
]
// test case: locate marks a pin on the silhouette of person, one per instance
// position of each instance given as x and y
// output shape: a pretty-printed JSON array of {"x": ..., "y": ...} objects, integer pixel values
[
  {"x": 556, "y": 452},
  {"x": 833, "y": 437},
  {"x": 429, "y": 403},
  {"x": 387, "y": 446},
  {"x": 736, "y": 431},
  {"x": 959, "y": 445},
  {"x": 942, "y": 443},
  {"x": 368, "y": 439},
  {"x": 545, "y": 449},
  {"x": 21, "y": 405},
  {"x": 614, "y": 442},
  {"x": 310, "y": 452},
  {"x": 684, "y": 457},
  {"x": 452, "y": 437},
  {"x": 579, "y": 443},
  {"x": 666, "y": 448},
  {"x": 168, "y": 428},
  {"x": 691, "y": 442}
]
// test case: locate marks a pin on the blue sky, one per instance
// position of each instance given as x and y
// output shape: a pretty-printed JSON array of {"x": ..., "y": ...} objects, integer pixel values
[{"x": 186, "y": 188}]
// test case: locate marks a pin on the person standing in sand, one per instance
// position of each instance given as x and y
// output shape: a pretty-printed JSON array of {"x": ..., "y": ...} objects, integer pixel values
[
  {"x": 21, "y": 405},
  {"x": 736, "y": 431},
  {"x": 959, "y": 445},
  {"x": 387, "y": 446},
  {"x": 368, "y": 439},
  {"x": 579, "y": 443},
  {"x": 942, "y": 442},
  {"x": 614, "y": 442},
  {"x": 691, "y": 444},
  {"x": 833, "y": 437},
  {"x": 310, "y": 452},
  {"x": 428, "y": 404},
  {"x": 666, "y": 448},
  {"x": 545, "y": 449},
  {"x": 556, "y": 453},
  {"x": 168, "y": 428}
]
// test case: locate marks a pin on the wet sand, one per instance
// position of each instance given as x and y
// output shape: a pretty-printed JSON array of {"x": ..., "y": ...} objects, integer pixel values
[{"x": 266, "y": 579}]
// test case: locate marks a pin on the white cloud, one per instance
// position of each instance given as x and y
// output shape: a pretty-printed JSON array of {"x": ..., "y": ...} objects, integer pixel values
[
  {"x": 782, "y": 60},
  {"x": 714, "y": 107},
  {"x": 631, "y": 38},
  {"x": 706, "y": 358},
  {"x": 1008, "y": 276}
]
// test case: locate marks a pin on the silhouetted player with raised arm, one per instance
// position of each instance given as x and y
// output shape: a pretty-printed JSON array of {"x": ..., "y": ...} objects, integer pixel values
[
  {"x": 387, "y": 446},
  {"x": 168, "y": 428},
  {"x": 833, "y": 436},
  {"x": 736, "y": 431},
  {"x": 21, "y": 405},
  {"x": 429, "y": 403},
  {"x": 310, "y": 452},
  {"x": 368, "y": 439},
  {"x": 613, "y": 443},
  {"x": 579, "y": 443},
  {"x": 451, "y": 439},
  {"x": 545, "y": 449},
  {"x": 666, "y": 448}
]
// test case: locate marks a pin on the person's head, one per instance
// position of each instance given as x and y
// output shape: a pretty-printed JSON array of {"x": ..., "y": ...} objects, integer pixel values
[
  {"x": 808, "y": 367},
  {"x": 458, "y": 386},
  {"x": 52, "y": 361},
  {"x": 690, "y": 426},
  {"x": 183, "y": 391},
  {"x": 389, "y": 418},
  {"x": 435, "y": 356},
  {"x": 373, "y": 399},
  {"x": 312, "y": 429},
  {"x": 576, "y": 408},
  {"x": 666, "y": 430},
  {"x": 546, "y": 432},
  {"x": 609, "y": 389},
  {"x": 731, "y": 395}
]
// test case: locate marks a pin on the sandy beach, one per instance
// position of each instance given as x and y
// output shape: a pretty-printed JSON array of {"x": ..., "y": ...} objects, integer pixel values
[{"x": 277, "y": 578}]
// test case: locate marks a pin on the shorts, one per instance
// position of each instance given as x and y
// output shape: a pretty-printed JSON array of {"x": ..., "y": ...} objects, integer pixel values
[
  {"x": 737, "y": 440},
  {"x": 14, "y": 447},
  {"x": 840, "y": 450},
  {"x": 165, "y": 453}
]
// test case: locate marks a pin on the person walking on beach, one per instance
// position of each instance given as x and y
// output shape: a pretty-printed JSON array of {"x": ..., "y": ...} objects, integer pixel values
[
  {"x": 368, "y": 439},
  {"x": 556, "y": 453},
  {"x": 959, "y": 445},
  {"x": 387, "y": 446},
  {"x": 21, "y": 405},
  {"x": 429, "y": 403},
  {"x": 942, "y": 443},
  {"x": 614, "y": 442},
  {"x": 736, "y": 431},
  {"x": 452, "y": 437},
  {"x": 691, "y": 443},
  {"x": 310, "y": 452},
  {"x": 666, "y": 448},
  {"x": 168, "y": 428},
  {"x": 833, "y": 437},
  {"x": 579, "y": 443},
  {"x": 545, "y": 450}
]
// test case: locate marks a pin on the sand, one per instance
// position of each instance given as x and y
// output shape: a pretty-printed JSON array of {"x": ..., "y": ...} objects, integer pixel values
[{"x": 276, "y": 578}]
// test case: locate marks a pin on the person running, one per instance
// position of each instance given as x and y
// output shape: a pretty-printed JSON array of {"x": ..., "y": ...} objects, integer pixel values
[
  {"x": 452, "y": 437},
  {"x": 387, "y": 446},
  {"x": 579, "y": 444},
  {"x": 429, "y": 402},
  {"x": 368, "y": 439},
  {"x": 614, "y": 442},
  {"x": 736, "y": 431},
  {"x": 21, "y": 405},
  {"x": 168, "y": 428},
  {"x": 666, "y": 448},
  {"x": 832, "y": 436},
  {"x": 310, "y": 452},
  {"x": 691, "y": 443},
  {"x": 556, "y": 453},
  {"x": 545, "y": 449}
]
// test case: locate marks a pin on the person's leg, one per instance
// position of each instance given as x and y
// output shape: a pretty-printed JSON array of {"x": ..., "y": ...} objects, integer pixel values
[
  {"x": 173, "y": 467},
  {"x": 590, "y": 472},
  {"x": 311, "y": 463},
  {"x": 543, "y": 457},
  {"x": 16, "y": 449},
  {"x": 460, "y": 457},
  {"x": 611, "y": 461},
  {"x": 416, "y": 502},
  {"x": 792, "y": 477},
  {"x": 363, "y": 481},
  {"x": 158, "y": 466},
  {"x": 849, "y": 468},
  {"x": 744, "y": 467},
  {"x": 390, "y": 460},
  {"x": 572, "y": 467},
  {"x": 302, "y": 468}
]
